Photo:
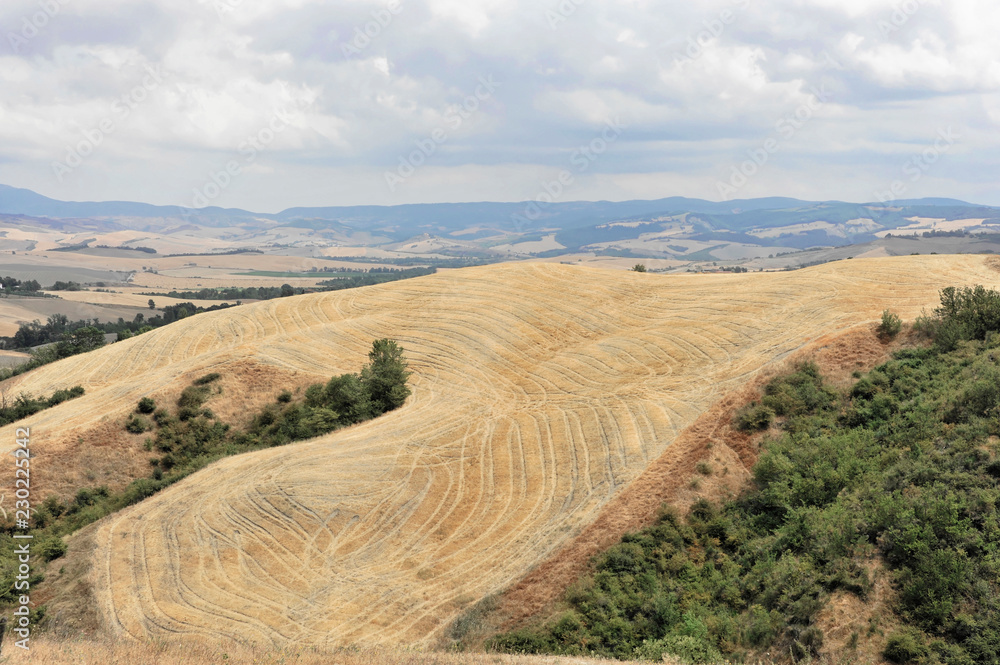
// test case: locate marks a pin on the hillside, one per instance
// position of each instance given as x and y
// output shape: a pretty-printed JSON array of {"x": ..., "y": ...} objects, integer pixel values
[
  {"x": 540, "y": 392},
  {"x": 867, "y": 532}
]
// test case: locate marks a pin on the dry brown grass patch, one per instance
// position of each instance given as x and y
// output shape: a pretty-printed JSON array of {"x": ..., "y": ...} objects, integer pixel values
[{"x": 48, "y": 651}]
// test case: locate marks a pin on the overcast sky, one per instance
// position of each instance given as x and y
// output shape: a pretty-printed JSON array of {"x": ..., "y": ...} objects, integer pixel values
[{"x": 269, "y": 104}]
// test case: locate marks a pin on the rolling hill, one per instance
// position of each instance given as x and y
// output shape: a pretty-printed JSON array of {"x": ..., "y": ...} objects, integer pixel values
[{"x": 540, "y": 392}]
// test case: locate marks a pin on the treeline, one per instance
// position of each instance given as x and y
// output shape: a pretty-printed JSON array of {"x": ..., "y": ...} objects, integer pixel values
[
  {"x": 24, "y": 405},
  {"x": 147, "y": 250},
  {"x": 230, "y": 252},
  {"x": 56, "y": 326},
  {"x": 417, "y": 261},
  {"x": 70, "y": 343},
  {"x": 902, "y": 468},
  {"x": 372, "y": 276},
  {"x": 16, "y": 286}
]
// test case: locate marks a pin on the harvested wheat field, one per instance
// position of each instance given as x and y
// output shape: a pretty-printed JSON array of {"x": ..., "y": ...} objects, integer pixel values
[{"x": 540, "y": 392}]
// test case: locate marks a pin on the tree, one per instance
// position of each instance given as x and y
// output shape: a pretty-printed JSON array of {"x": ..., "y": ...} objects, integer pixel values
[
  {"x": 890, "y": 325},
  {"x": 80, "y": 340},
  {"x": 57, "y": 323},
  {"x": 639, "y": 267},
  {"x": 152, "y": 305},
  {"x": 346, "y": 396},
  {"x": 287, "y": 290},
  {"x": 385, "y": 378}
]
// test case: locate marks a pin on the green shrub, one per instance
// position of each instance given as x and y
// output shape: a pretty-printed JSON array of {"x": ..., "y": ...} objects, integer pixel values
[
  {"x": 520, "y": 641},
  {"x": 51, "y": 548},
  {"x": 207, "y": 379},
  {"x": 347, "y": 395},
  {"x": 54, "y": 505},
  {"x": 138, "y": 425},
  {"x": 683, "y": 648},
  {"x": 905, "y": 646},
  {"x": 315, "y": 395},
  {"x": 285, "y": 396},
  {"x": 807, "y": 642},
  {"x": 753, "y": 418},
  {"x": 146, "y": 405},
  {"x": 162, "y": 417},
  {"x": 186, "y": 413},
  {"x": 890, "y": 325},
  {"x": 797, "y": 393},
  {"x": 192, "y": 397}
]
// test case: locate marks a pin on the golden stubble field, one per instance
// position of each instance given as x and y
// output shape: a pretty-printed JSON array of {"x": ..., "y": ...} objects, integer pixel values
[{"x": 540, "y": 392}]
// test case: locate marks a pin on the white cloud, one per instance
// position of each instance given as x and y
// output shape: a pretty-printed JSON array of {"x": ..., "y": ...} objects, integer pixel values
[{"x": 697, "y": 85}]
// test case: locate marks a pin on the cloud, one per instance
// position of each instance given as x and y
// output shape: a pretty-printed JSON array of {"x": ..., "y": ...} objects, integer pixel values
[{"x": 698, "y": 86}]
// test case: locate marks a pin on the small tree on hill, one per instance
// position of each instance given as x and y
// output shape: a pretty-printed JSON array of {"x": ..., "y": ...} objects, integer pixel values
[
  {"x": 385, "y": 378},
  {"x": 890, "y": 325},
  {"x": 639, "y": 267}
]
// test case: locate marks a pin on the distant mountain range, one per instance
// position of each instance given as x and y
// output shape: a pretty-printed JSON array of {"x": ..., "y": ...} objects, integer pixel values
[{"x": 675, "y": 227}]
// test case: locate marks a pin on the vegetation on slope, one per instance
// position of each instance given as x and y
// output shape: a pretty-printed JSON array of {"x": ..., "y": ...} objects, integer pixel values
[
  {"x": 902, "y": 469},
  {"x": 71, "y": 341},
  {"x": 190, "y": 436},
  {"x": 24, "y": 405}
]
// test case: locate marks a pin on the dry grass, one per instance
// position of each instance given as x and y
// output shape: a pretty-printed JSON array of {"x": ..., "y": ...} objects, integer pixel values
[
  {"x": 677, "y": 479},
  {"x": 105, "y": 454},
  {"x": 541, "y": 392},
  {"x": 48, "y": 651},
  {"x": 855, "y": 631}
]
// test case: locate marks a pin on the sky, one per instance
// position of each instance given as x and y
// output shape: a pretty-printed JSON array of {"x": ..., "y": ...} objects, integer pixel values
[{"x": 270, "y": 104}]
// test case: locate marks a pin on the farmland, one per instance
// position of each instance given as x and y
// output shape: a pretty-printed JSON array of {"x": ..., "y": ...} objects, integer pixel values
[{"x": 540, "y": 392}]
